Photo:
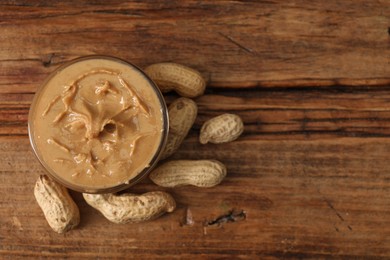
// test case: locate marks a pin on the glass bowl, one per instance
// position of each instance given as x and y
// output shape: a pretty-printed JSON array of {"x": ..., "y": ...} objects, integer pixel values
[{"x": 98, "y": 189}]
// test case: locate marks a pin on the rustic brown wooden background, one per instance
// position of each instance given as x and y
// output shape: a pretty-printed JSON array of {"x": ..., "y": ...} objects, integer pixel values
[{"x": 311, "y": 80}]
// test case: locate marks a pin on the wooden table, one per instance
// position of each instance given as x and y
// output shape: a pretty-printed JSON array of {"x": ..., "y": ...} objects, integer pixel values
[{"x": 311, "y": 80}]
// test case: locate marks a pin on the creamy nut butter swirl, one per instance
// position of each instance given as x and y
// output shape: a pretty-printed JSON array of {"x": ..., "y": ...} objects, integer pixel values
[{"x": 97, "y": 123}]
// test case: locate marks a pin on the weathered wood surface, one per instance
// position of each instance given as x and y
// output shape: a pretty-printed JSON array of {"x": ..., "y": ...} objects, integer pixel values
[
  {"x": 235, "y": 43},
  {"x": 311, "y": 171},
  {"x": 313, "y": 198}
]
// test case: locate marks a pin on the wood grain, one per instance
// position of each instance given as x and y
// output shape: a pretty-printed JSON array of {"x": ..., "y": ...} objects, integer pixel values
[
  {"x": 234, "y": 43},
  {"x": 299, "y": 113},
  {"x": 309, "y": 178},
  {"x": 315, "y": 198}
]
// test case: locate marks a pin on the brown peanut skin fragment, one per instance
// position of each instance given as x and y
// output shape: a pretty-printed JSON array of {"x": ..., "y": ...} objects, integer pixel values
[
  {"x": 128, "y": 207},
  {"x": 200, "y": 173},
  {"x": 60, "y": 211},
  {"x": 221, "y": 129},
  {"x": 169, "y": 76},
  {"x": 182, "y": 114}
]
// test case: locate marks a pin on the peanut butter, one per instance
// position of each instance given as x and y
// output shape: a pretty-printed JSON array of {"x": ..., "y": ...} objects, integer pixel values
[{"x": 97, "y": 123}]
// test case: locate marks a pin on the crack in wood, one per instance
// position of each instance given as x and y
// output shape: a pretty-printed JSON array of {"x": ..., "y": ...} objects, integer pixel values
[
  {"x": 232, "y": 216},
  {"x": 47, "y": 62},
  {"x": 333, "y": 208},
  {"x": 129, "y": 13},
  {"x": 246, "y": 49}
]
